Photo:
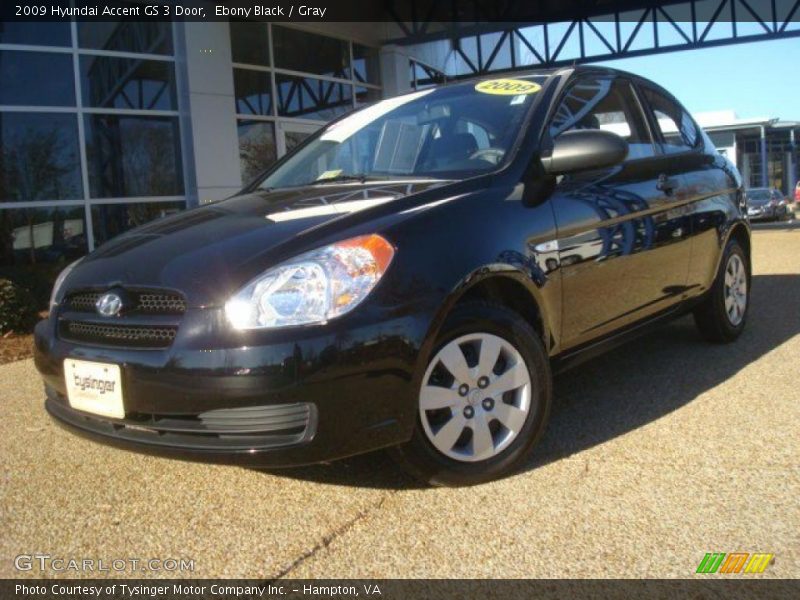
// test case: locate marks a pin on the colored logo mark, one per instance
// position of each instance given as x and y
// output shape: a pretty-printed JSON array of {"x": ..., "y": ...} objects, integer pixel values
[{"x": 734, "y": 562}]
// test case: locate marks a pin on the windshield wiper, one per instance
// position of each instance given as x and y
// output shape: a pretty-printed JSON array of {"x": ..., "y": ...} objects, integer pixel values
[{"x": 360, "y": 177}]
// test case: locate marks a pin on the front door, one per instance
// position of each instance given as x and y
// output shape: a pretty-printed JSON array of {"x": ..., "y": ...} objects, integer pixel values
[{"x": 623, "y": 240}]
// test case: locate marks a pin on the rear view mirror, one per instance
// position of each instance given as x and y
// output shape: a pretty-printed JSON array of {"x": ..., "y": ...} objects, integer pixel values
[{"x": 584, "y": 149}]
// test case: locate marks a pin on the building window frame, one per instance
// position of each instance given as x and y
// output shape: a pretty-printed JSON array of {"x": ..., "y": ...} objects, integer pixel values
[
  {"x": 353, "y": 82},
  {"x": 79, "y": 110}
]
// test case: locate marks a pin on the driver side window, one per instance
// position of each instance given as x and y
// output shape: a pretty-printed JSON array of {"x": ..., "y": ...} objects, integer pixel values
[{"x": 607, "y": 104}]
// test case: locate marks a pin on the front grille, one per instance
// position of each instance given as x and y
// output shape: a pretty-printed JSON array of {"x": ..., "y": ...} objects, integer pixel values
[
  {"x": 146, "y": 302},
  {"x": 149, "y": 318},
  {"x": 136, "y": 336},
  {"x": 161, "y": 304}
]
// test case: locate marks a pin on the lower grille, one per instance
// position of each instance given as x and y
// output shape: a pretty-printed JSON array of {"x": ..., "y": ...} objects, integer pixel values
[
  {"x": 136, "y": 336},
  {"x": 225, "y": 429}
]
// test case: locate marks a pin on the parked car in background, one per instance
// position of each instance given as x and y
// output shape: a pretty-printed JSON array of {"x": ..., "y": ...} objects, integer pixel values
[
  {"x": 766, "y": 204},
  {"x": 408, "y": 277},
  {"x": 797, "y": 193}
]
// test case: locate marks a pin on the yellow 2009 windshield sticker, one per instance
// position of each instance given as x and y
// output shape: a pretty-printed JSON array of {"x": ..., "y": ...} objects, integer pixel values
[{"x": 507, "y": 87}]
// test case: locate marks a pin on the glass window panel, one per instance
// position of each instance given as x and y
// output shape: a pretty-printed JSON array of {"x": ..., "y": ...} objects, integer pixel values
[
  {"x": 366, "y": 64},
  {"x": 605, "y": 104},
  {"x": 308, "y": 98},
  {"x": 293, "y": 139},
  {"x": 676, "y": 126},
  {"x": 501, "y": 42},
  {"x": 424, "y": 77},
  {"x": 36, "y": 243},
  {"x": 36, "y": 79},
  {"x": 250, "y": 43},
  {"x": 39, "y": 33},
  {"x": 257, "y": 149},
  {"x": 310, "y": 53},
  {"x": 110, "y": 220},
  {"x": 367, "y": 95},
  {"x": 112, "y": 82},
  {"x": 146, "y": 37},
  {"x": 133, "y": 156},
  {"x": 39, "y": 157},
  {"x": 253, "y": 90}
]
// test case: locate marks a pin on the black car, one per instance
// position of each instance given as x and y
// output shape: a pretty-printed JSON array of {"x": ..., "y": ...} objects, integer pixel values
[
  {"x": 766, "y": 204},
  {"x": 409, "y": 277}
]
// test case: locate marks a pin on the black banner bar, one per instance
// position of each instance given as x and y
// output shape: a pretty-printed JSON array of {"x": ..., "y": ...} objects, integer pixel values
[
  {"x": 434, "y": 11},
  {"x": 395, "y": 589}
]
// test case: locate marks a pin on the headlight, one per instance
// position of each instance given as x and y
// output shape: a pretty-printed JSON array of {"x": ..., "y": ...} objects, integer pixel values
[
  {"x": 313, "y": 287},
  {"x": 60, "y": 281}
]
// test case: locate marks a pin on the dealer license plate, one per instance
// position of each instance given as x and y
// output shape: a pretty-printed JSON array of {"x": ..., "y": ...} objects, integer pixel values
[{"x": 94, "y": 387}]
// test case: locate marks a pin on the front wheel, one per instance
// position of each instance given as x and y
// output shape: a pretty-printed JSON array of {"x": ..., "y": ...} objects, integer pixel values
[
  {"x": 722, "y": 315},
  {"x": 483, "y": 401}
]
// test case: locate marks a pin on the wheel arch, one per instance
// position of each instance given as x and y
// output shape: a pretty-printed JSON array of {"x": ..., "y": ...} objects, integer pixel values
[
  {"x": 502, "y": 284},
  {"x": 741, "y": 233}
]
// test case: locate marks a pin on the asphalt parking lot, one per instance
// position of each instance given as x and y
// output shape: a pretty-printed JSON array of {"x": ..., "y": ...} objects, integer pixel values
[{"x": 657, "y": 453}]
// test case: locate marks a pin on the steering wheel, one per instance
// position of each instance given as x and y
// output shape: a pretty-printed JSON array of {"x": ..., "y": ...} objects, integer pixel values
[{"x": 492, "y": 155}]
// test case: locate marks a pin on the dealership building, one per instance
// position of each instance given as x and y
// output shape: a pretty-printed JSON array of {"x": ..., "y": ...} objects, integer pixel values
[{"x": 107, "y": 125}]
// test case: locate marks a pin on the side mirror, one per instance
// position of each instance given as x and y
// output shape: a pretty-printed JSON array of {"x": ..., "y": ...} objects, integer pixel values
[{"x": 584, "y": 149}]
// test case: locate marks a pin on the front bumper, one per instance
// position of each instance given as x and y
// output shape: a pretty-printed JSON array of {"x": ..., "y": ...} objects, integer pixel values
[{"x": 290, "y": 399}]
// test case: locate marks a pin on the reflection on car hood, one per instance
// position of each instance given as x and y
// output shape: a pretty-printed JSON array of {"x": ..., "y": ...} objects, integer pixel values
[{"x": 209, "y": 252}]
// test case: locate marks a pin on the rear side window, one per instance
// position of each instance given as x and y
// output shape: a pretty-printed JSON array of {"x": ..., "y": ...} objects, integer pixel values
[
  {"x": 608, "y": 104},
  {"x": 678, "y": 131}
]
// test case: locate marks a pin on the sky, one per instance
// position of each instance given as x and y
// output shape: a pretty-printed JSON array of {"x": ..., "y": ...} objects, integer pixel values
[{"x": 756, "y": 79}]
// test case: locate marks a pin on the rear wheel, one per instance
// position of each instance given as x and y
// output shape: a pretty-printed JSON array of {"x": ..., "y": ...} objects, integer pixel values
[
  {"x": 483, "y": 401},
  {"x": 722, "y": 315}
]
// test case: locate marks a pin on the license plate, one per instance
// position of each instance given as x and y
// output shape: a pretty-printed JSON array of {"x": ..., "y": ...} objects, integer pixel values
[{"x": 94, "y": 387}]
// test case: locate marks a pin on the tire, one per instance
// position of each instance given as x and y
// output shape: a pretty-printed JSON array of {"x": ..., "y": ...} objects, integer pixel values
[
  {"x": 471, "y": 329},
  {"x": 714, "y": 317}
]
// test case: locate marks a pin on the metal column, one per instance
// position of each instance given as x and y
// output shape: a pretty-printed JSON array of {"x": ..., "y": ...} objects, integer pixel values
[
  {"x": 792, "y": 174},
  {"x": 764, "y": 164}
]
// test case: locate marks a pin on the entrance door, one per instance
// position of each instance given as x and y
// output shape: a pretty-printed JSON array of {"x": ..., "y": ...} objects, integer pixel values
[{"x": 290, "y": 135}]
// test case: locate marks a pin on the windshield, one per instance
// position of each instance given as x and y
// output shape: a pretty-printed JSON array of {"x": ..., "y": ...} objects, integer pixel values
[
  {"x": 758, "y": 197},
  {"x": 446, "y": 133}
]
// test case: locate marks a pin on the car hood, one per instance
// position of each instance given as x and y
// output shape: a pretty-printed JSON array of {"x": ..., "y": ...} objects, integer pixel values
[{"x": 209, "y": 252}]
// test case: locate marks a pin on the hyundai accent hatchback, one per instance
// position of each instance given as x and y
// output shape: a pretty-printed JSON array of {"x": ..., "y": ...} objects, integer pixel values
[{"x": 409, "y": 277}]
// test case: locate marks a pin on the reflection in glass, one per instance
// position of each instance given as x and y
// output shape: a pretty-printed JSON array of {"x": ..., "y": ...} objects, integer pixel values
[
  {"x": 307, "y": 98},
  {"x": 422, "y": 76},
  {"x": 38, "y": 33},
  {"x": 309, "y": 52},
  {"x": 39, "y": 157},
  {"x": 257, "y": 148},
  {"x": 367, "y": 95},
  {"x": 250, "y": 43},
  {"x": 112, "y": 82},
  {"x": 36, "y": 243},
  {"x": 150, "y": 37},
  {"x": 676, "y": 126},
  {"x": 366, "y": 64},
  {"x": 253, "y": 92},
  {"x": 110, "y": 220},
  {"x": 133, "y": 156},
  {"x": 293, "y": 139},
  {"x": 36, "y": 79}
]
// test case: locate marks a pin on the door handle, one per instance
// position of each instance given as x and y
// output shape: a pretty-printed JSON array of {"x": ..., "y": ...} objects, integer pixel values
[{"x": 666, "y": 184}]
